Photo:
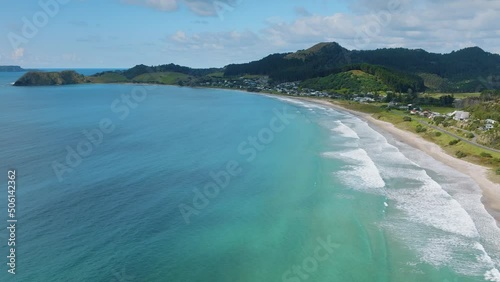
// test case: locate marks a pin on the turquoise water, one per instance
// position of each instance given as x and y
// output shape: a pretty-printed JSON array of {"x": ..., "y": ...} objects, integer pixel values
[{"x": 181, "y": 184}]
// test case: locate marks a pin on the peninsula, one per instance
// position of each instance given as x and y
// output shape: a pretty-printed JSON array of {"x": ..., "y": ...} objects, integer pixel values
[
  {"x": 11, "y": 69},
  {"x": 50, "y": 78}
]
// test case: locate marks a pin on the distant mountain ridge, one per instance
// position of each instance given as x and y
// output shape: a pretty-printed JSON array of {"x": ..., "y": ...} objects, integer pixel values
[
  {"x": 329, "y": 66},
  {"x": 461, "y": 71}
]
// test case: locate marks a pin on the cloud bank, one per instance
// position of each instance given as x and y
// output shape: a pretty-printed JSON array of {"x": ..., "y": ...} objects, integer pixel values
[
  {"x": 438, "y": 26},
  {"x": 206, "y": 8}
]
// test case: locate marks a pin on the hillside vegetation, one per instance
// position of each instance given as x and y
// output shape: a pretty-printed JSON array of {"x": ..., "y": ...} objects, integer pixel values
[
  {"x": 365, "y": 78},
  {"x": 465, "y": 70},
  {"x": 171, "y": 78},
  {"x": 354, "y": 81},
  {"x": 50, "y": 78},
  {"x": 324, "y": 66}
]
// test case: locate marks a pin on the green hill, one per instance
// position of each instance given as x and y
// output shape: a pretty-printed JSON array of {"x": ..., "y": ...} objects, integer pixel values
[
  {"x": 108, "y": 77},
  {"x": 354, "y": 81},
  {"x": 171, "y": 78},
  {"x": 50, "y": 78},
  {"x": 143, "y": 69},
  {"x": 365, "y": 78},
  {"x": 324, "y": 66},
  {"x": 11, "y": 69},
  {"x": 459, "y": 71}
]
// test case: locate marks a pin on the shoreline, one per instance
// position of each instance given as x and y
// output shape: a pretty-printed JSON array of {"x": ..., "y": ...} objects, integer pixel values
[{"x": 490, "y": 191}]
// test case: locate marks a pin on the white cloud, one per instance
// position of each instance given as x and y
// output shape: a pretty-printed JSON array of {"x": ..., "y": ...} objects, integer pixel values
[
  {"x": 439, "y": 26},
  {"x": 18, "y": 54},
  {"x": 202, "y": 8},
  {"x": 436, "y": 26},
  {"x": 207, "y": 8},
  {"x": 179, "y": 37},
  {"x": 207, "y": 40},
  {"x": 163, "y": 5}
]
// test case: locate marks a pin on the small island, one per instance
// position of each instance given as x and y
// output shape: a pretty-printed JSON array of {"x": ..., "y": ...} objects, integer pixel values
[
  {"x": 51, "y": 78},
  {"x": 11, "y": 69}
]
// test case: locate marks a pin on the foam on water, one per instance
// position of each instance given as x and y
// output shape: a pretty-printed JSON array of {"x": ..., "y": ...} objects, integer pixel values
[
  {"x": 362, "y": 174},
  {"x": 442, "y": 220},
  {"x": 492, "y": 275},
  {"x": 304, "y": 104},
  {"x": 429, "y": 204},
  {"x": 443, "y": 228},
  {"x": 344, "y": 130},
  {"x": 291, "y": 101}
]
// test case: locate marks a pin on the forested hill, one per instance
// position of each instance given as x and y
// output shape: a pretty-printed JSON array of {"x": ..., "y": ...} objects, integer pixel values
[
  {"x": 326, "y": 66},
  {"x": 142, "y": 69},
  {"x": 463, "y": 64},
  {"x": 50, "y": 78},
  {"x": 460, "y": 71},
  {"x": 11, "y": 69}
]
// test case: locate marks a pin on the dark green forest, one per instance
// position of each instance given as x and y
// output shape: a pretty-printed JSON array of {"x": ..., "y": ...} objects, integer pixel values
[{"x": 465, "y": 70}]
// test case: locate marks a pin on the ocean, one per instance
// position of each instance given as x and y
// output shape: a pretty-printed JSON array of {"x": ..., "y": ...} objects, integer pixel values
[{"x": 125, "y": 182}]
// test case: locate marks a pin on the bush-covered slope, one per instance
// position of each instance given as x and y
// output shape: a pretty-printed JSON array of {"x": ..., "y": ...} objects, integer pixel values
[{"x": 50, "y": 78}]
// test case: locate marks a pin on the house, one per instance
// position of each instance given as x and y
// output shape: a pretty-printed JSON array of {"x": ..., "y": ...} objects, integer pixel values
[
  {"x": 490, "y": 124},
  {"x": 364, "y": 99},
  {"x": 393, "y": 104},
  {"x": 459, "y": 115},
  {"x": 425, "y": 113}
]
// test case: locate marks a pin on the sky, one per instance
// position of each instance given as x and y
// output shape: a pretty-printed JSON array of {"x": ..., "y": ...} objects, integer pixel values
[{"x": 214, "y": 33}]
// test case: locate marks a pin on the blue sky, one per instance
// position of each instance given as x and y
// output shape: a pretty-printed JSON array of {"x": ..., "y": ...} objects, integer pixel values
[{"x": 214, "y": 33}]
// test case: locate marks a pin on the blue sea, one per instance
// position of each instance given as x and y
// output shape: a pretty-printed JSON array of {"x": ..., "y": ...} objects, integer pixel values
[{"x": 161, "y": 183}]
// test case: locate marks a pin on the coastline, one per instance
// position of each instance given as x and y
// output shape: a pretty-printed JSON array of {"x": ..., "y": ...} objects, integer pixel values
[{"x": 490, "y": 191}]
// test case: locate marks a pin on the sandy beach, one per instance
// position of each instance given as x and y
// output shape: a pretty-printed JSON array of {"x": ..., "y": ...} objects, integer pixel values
[{"x": 491, "y": 191}]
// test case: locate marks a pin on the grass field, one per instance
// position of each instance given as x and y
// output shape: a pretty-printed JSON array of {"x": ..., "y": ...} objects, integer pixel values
[
  {"x": 456, "y": 95},
  {"x": 441, "y": 110}
]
